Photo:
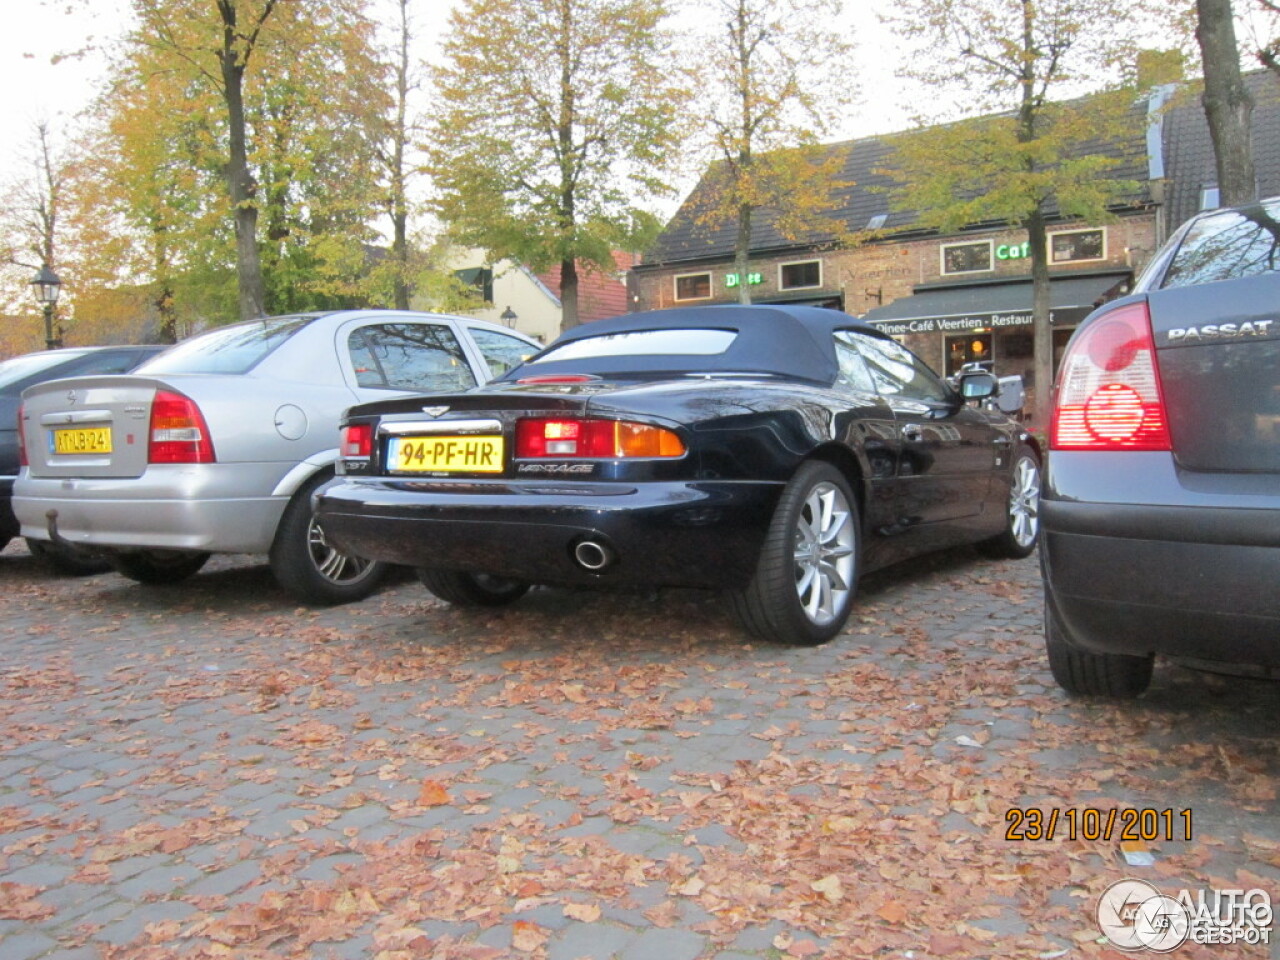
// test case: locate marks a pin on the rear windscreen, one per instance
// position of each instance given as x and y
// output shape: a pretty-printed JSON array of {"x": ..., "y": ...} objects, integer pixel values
[
  {"x": 668, "y": 343},
  {"x": 19, "y": 368},
  {"x": 1228, "y": 246},
  {"x": 235, "y": 349}
]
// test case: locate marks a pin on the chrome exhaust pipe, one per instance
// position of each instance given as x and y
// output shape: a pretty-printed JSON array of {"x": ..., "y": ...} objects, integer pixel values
[{"x": 593, "y": 556}]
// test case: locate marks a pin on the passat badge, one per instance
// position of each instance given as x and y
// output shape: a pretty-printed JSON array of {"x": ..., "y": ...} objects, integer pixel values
[{"x": 435, "y": 411}]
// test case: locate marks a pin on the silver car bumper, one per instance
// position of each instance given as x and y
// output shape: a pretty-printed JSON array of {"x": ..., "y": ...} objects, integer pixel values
[{"x": 178, "y": 507}]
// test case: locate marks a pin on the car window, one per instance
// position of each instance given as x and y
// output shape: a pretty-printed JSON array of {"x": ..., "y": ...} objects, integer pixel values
[
  {"x": 692, "y": 342},
  {"x": 234, "y": 349},
  {"x": 409, "y": 356},
  {"x": 500, "y": 351},
  {"x": 108, "y": 361},
  {"x": 1227, "y": 246},
  {"x": 853, "y": 369},
  {"x": 895, "y": 370},
  {"x": 16, "y": 369}
]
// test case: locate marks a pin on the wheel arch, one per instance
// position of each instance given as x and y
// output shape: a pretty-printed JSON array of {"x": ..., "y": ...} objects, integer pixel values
[
  {"x": 298, "y": 476},
  {"x": 844, "y": 460}
]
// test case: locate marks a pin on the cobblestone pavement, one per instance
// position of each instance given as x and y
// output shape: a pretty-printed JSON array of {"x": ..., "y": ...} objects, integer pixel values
[{"x": 208, "y": 770}]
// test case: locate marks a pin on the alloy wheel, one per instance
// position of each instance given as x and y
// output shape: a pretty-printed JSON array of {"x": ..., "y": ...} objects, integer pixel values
[
  {"x": 824, "y": 554},
  {"x": 330, "y": 562},
  {"x": 1024, "y": 502}
]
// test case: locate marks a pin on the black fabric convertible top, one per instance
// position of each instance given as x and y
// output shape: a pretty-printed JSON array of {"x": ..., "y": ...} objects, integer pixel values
[{"x": 784, "y": 341}]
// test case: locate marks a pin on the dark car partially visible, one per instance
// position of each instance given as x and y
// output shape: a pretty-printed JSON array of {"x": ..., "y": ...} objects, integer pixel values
[
  {"x": 18, "y": 373},
  {"x": 1161, "y": 507}
]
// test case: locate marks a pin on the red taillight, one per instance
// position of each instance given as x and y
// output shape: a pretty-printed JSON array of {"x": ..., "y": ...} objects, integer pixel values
[
  {"x": 594, "y": 439},
  {"x": 559, "y": 378},
  {"x": 1109, "y": 388},
  {"x": 22, "y": 438},
  {"x": 357, "y": 440},
  {"x": 178, "y": 433}
]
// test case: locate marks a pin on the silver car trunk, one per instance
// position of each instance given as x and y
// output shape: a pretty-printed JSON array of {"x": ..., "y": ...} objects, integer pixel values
[{"x": 89, "y": 426}]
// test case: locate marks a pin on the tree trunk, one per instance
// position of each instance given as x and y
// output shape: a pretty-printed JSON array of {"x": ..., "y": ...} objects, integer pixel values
[
  {"x": 1037, "y": 239},
  {"x": 240, "y": 184},
  {"x": 742, "y": 253},
  {"x": 399, "y": 203},
  {"x": 1041, "y": 320},
  {"x": 568, "y": 294},
  {"x": 1227, "y": 104}
]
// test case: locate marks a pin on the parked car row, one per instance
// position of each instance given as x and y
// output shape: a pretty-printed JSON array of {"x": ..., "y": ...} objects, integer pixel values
[
  {"x": 218, "y": 444},
  {"x": 773, "y": 453}
]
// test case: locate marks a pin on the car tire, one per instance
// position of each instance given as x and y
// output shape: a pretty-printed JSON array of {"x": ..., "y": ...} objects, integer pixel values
[
  {"x": 70, "y": 561},
  {"x": 472, "y": 589},
  {"x": 306, "y": 565},
  {"x": 808, "y": 569},
  {"x": 158, "y": 567},
  {"x": 1022, "y": 511},
  {"x": 1083, "y": 673}
]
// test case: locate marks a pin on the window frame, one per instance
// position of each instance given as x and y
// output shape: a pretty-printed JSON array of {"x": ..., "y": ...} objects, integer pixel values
[
  {"x": 799, "y": 263},
  {"x": 989, "y": 243},
  {"x": 1066, "y": 233},
  {"x": 675, "y": 286}
]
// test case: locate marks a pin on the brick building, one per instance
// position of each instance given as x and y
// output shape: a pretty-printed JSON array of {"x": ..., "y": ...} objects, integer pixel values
[{"x": 967, "y": 296}]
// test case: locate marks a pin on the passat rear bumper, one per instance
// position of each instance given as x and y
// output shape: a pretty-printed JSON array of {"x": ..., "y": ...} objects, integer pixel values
[
  {"x": 693, "y": 534},
  {"x": 1184, "y": 581}
]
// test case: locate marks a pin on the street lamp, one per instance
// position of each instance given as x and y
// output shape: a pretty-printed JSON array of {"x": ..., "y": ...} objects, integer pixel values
[
  {"x": 509, "y": 317},
  {"x": 46, "y": 287}
]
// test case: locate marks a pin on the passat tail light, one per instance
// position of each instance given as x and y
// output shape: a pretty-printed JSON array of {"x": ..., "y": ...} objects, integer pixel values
[
  {"x": 22, "y": 438},
  {"x": 1109, "y": 394},
  {"x": 357, "y": 440},
  {"x": 594, "y": 439},
  {"x": 178, "y": 432}
]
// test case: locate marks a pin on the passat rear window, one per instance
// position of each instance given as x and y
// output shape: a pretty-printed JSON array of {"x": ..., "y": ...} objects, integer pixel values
[
  {"x": 1227, "y": 246},
  {"x": 660, "y": 343},
  {"x": 235, "y": 349}
]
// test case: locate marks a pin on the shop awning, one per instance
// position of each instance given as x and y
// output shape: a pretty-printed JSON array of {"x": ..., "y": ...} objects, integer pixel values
[{"x": 970, "y": 307}]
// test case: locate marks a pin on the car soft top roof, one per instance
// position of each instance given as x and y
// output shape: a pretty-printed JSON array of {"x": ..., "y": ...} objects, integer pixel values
[{"x": 773, "y": 339}]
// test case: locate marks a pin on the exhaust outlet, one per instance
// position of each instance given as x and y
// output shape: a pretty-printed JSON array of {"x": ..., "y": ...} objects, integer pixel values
[{"x": 592, "y": 555}]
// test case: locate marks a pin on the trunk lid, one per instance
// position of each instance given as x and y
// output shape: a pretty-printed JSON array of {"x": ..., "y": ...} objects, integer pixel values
[
  {"x": 1218, "y": 351},
  {"x": 89, "y": 427}
]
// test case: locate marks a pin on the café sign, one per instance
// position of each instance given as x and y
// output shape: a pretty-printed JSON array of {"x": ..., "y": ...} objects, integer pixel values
[{"x": 975, "y": 322}]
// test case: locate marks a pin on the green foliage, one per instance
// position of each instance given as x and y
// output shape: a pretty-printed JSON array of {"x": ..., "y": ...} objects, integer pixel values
[
  {"x": 984, "y": 170},
  {"x": 151, "y": 202},
  {"x": 556, "y": 124},
  {"x": 773, "y": 75}
]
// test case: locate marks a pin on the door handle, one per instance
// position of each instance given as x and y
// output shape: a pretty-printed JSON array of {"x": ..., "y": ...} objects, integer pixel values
[{"x": 912, "y": 432}]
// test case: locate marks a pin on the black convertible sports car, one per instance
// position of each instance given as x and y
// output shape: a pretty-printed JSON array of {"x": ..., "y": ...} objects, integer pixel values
[{"x": 772, "y": 452}]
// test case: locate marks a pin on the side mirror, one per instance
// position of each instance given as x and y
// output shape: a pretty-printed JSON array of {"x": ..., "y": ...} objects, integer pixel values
[{"x": 978, "y": 385}]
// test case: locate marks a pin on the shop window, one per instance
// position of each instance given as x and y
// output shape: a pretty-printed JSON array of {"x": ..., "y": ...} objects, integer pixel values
[
  {"x": 966, "y": 349},
  {"x": 693, "y": 286},
  {"x": 794, "y": 276},
  {"x": 1072, "y": 246},
  {"x": 966, "y": 257}
]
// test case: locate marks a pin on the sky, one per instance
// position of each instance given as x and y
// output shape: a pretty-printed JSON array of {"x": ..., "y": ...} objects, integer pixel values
[{"x": 38, "y": 90}]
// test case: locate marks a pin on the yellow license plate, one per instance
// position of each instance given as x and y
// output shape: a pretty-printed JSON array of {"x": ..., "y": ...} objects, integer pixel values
[
  {"x": 83, "y": 440},
  {"x": 445, "y": 454}
]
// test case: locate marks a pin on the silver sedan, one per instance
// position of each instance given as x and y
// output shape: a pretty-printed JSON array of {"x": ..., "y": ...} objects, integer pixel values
[{"x": 218, "y": 444}]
